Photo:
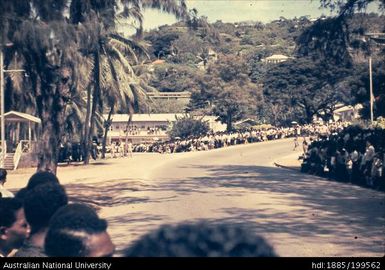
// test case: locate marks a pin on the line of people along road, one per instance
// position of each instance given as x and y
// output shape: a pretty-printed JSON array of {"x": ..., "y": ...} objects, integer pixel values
[
  {"x": 72, "y": 152},
  {"x": 355, "y": 155},
  {"x": 224, "y": 139}
]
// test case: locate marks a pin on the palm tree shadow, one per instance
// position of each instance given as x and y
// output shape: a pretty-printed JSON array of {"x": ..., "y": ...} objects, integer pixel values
[{"x": 312, "y": 206}]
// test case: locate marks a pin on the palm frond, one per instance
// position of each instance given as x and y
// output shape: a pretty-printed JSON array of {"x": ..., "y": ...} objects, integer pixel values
[
  {"x": 114, "y": 52},
  {"x": 177, "y": 8},
  {"x": 140, "y": 46},
  {"x": 132, "y": 11},
  {"x": 106, "y": 76},
  {"x": 17, "y": 78},
  {"x": 122, "y": 47}
]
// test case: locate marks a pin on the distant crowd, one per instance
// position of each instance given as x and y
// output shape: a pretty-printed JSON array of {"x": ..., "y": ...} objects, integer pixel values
[
  {"x": 224, "y": 139},
  {"x": 73, "y": 151},
  {"x": 354, "y": 155}
]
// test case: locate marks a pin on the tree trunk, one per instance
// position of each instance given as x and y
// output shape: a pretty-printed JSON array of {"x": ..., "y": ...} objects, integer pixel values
[
  {"x": 309, "y": 112},
  {"x": 50, "y": 106},
  {"x": 127, "y": 127},
  {"x": 87, "y": 122},
  {"x": 49, "y": 143},
  {"x": 309, "y": 115},
  {"x": 106, "y": 128},
  {"x": 95, "y": 101},
  {"x": 229, "y": 124}
]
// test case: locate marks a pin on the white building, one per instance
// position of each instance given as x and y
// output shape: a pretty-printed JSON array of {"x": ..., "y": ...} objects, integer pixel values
[
  {"x": 149, "y": 127},
  {"x": 342, "y": 112},
  {"x": 275, "y": 58},
  {"x": 347, "y": 113}
]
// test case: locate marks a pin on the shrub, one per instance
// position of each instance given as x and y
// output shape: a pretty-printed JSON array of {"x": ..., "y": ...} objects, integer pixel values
[{"x": 188, "y": 126}]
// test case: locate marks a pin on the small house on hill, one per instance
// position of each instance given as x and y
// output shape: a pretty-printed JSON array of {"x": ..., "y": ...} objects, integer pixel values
[{"x": 275, "y": 58}]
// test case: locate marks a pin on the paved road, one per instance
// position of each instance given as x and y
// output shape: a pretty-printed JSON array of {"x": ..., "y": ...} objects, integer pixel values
[{"x": 300, "y": 215}]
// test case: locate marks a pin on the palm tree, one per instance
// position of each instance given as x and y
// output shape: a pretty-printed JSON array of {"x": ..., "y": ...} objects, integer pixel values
[
  {"x": 35, "y": 28},
  {"x": 111, "y": 73},
  {"x": 47, "y": 43},
  {"x": 110, "y": 51},
  {"x": 51, "y": 70}
]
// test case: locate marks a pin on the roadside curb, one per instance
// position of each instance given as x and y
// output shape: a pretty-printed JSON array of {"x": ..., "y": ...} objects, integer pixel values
[
  {"x": 297, "y": 169},
  {"x": 290, "y": 162}
]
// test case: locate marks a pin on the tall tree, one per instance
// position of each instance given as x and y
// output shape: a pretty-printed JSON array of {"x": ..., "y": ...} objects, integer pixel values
[
  {"x": 51, "y": 70},
  {"x": 227, "y": 91},
  {"x": 111, "y": 54},
  {"x": 47, "y": 42},
  {"x": 299, "y": 89},
  {"x": 340, "y": 39},
  {"x": 348, "y": 7},
  {"x": 330, "y": 37}
]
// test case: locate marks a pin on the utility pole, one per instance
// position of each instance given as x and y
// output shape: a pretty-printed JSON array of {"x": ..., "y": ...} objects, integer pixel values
[
  {"x": 378, "y": 38},
  {"x": 2, "y": 105},
  {"x": 2, "y": 109},
  {"x": 371, "y": 90}
]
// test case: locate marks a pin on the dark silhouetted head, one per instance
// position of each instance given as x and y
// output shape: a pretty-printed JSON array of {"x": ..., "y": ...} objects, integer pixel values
[
  {"x": 3, "y": 175},
  {"x": 76, "y": 231},
  {"x": 40, "y": 178},
  {"x": 41, "y": 203},
  {"x": 200, "y": 240},
  {"x": 20, "y": 195},
  {"x": 14, "y": 228}
]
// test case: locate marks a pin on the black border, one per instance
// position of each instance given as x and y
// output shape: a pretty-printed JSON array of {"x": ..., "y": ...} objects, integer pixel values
[{"x": 296, "y": 263}]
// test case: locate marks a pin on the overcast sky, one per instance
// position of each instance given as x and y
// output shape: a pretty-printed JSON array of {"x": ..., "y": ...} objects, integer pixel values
[{"x": 241, "y": 10}]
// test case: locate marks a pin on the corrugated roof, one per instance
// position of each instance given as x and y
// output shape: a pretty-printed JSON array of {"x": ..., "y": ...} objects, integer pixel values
[
  {"x": 155, "y": 117},
  {"x": 344, "y": 109},
  {"x": 13, "y": 116},
  {"x": 158, "y": 62},
  {"x": 276, "y": 56}
]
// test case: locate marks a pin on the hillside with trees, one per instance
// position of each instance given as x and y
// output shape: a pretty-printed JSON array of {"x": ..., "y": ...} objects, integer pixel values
[{"x": 324, "y": 67}]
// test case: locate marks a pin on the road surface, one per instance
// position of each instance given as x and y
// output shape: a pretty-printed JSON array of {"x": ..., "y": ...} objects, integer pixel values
[{"x": 300, "y": 215}]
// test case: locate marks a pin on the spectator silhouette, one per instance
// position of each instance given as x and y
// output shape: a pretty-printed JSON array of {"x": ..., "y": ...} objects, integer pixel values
[
  {"x": 20, "y": 195},
  {"x": 4, "y": 193},
  {"x": 41, "y": 178},
  {"x": 75, "y": 230},
  {"x": 40, "y": 204},
  {"x": 14, "y": 228},
  {"x": 200, "y": 240}
]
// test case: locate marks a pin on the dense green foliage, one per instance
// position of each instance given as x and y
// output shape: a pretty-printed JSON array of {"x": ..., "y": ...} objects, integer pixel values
[
  {"x": 303, "y": 88},
  {"x": 327, "y": 66},
  {"x": 187, "y": 126}
]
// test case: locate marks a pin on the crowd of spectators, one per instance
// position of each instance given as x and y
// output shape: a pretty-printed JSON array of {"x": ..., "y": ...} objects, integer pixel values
[
  {"x": 73, "y": 151},
  {"x": 40, "y": 219},
  {"x": 134, "y": 130},
  {"x": 354, "y": 155},
  {"x": 224, "y": 139}
]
